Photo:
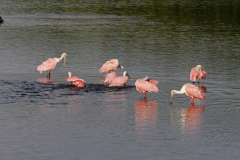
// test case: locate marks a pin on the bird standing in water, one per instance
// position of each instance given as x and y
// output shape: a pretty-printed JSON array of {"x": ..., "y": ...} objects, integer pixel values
[
  {"x": 197, "y": 72},
  {"x": 121, "y": 80},
  {"x": 110, "y": 65},
  {"x": 191, "y": 91},
  {"x": 75, "y": 80},
  {"x": 146, "y": 85},
  {"x": 50, "y": 64}
]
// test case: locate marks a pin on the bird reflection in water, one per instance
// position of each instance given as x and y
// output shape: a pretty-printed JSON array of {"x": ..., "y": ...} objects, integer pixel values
[
  {"x": 189, "y": 118},
  {"x": 146, "y": 114},
  {"x": 46, "y": 80}
]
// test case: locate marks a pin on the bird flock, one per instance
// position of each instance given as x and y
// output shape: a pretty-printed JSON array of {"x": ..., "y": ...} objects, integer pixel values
[{"x": 143, "y": 85}]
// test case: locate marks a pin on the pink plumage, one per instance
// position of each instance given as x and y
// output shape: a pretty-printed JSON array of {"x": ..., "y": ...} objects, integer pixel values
[
  {"x": 49, "y": 64},
  {"x": 119, "y": 81},
  {"x": 109, "y": 66},
  {"x": 109, "y": 78},
  {"x": 197, "y": 72},
  {"x": 144, "y": 86},
  {"x": 193, "y": 91},
  {"x": 76, "y": 81}
]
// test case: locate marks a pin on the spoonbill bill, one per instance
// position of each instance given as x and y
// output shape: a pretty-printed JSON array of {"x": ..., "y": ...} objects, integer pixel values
[
  {"x": 75, "y": 80},
  {"x": 121, "y": 80},
  {"x": 197, "y": 72},
  {"x": 110, "y": 65},
  {"x": 146, "y": 85},
  {"x": 191, "y": 91},
  {"x": 50, "y": 64}
]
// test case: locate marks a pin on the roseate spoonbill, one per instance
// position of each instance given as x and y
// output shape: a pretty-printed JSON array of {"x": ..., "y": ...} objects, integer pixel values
[
  {"x": 50, "y": 64},
  {"x": 110, "y": 65},
  {"x": 75, "y": 80},
  {"x": 197, "y": 72},
  {"x": 121, "y": 80},
  {"x": 191, "y": 91},
  {"x": 146, "y": 85},
  {"x": 109, "y": 78}
]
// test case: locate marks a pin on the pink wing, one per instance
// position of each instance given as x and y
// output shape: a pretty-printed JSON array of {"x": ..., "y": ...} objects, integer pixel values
[
  {"x": 74, "y": 78},
  {"x": 110, "y": 77},
  {"x": 49, "y": 64},
  {"x": 109, "y": 66},
  {"x": 194, "y": 73},
  {"x": 204, "y": 74},
  {"x": 154, "y": 82},
  {"x": 119, "y": 81},
  {"x": 194, "y": 92},
  {"x": 144, "y": 86},
  {"x": 76, "y": 81}
]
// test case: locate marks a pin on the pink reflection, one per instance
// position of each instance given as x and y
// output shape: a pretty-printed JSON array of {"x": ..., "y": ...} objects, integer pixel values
[
  {"x": 189, "y": 119},
  {"x": 193, "y": 118},
  {"x": 46, "y": 80},
  {"x": 202, "y": 88},
  {"x": 146, "y": 112}
]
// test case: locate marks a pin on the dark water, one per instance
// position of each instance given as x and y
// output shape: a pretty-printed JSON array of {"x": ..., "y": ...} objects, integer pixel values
[{"x": 44, "y": 118}]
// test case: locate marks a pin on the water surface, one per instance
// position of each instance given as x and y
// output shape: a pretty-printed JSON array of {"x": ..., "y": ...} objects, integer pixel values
[{"x": 44, "y": 118}]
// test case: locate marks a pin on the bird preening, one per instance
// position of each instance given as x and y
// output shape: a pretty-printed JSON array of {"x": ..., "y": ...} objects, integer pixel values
[
  {"x": 75, "y": 80},
  {"x": 197, "y": 72}
]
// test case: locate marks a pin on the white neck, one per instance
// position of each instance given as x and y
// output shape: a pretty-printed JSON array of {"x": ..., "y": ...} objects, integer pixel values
[
  {"x": 69, "y": 74},
  {"x": 124, "y": 73},
  {"x": 59, "y": 59},
  {"x": 182, "y": 91}
]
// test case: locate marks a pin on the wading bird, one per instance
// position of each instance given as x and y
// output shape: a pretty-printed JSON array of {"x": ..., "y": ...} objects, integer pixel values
[
  {"x": 121, "y": 80},
  {"x": 75, "y": 80},
  {"x": 110, "y": 77},
  {"x": 50, "y": 64},
  {"x": 197, "y": 72},
  {"x": 146, "y": 85},
  {"x": 110, "y": 65},
  {"x": 191, "y": 91}
]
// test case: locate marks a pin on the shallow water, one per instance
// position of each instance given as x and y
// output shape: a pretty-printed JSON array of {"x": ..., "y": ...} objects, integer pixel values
[{"x": 44, "y": 118}]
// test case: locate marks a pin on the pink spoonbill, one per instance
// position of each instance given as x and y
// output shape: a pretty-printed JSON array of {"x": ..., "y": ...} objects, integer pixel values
[
  {"x": 75, "y": 80},
  {"x": 191, "y": 91},
  {"x": 50, "y": 64},
  {"x": 121, "y": 80},
  {"x": 197, "y": 72},
  {"x": 110, "y": 65},
  {"x": 146, "y": 85},
  {"x": 110, "y": 77}
]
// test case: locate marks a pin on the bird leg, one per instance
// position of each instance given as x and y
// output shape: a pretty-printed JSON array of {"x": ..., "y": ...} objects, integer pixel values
[
  {"x": 144, "y": 95},
  {"x": 48, "y": 74},
  {"x": 192, "y": 100}
]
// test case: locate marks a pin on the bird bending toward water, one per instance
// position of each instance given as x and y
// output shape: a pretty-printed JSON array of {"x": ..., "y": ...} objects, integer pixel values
[
  {"x": 121, "y": 80},
  {"x": 197, "y": 72},
  {"x": 50, "y": 64},
  {"x": 146, "y": 85},
  {"x": 110, "y": 65},
  {"x": 191, "y": 91},
  {"x": 75, "y": 80}
]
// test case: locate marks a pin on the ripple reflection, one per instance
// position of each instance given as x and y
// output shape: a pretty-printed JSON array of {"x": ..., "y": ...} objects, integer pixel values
[{"x": 146, "y": 112}]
